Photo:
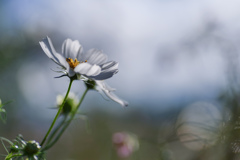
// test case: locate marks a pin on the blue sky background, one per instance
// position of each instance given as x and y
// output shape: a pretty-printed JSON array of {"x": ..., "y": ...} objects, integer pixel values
[{"x": 170, "y": 52}]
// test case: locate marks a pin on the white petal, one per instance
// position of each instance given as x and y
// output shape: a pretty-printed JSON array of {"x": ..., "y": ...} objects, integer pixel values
[
  {"x": 71, "y": 49},
  {"x": 107, "y": 87},
  {"x": 107, "y": 71},
  {"x": 109, "y": 66},
  {"x": 95, "y": 56},
  {"x": 93, "y": 71},
  {"x": 111, "y": 95},
  {"x": 83, "y": 68},
  {"x": 48, "y": 48},
  {"x": 62, "y": 60},
  {"x": 116, "y": 98},
  {"x": 104, "y": 75},
  {"x": 87, "y": 69}
]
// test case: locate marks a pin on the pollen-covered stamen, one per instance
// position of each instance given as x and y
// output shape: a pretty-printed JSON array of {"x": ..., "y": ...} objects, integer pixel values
[{"x": 73, "y": 63}]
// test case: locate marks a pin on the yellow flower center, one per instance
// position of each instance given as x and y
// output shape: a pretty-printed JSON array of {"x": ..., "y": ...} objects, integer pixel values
[{"x": 73, "y": 63}]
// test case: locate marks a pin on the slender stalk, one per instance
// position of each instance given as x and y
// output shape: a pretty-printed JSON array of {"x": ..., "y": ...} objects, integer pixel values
[
  {"x": 56, "y": 130},
  {"x": 67, "y": 123},
  {"x": 59, "y": 111}
]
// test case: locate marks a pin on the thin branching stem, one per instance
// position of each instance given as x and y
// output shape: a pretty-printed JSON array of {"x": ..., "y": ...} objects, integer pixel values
[
  {"x": 56, "y": 129},
  {"x": 67, "y": 123},
  {"x": 59, "y": 111}
]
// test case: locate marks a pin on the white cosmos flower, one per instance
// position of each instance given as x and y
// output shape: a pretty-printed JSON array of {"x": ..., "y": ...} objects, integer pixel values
[
  {"x": 91, "y": 67},
  {"x": 74, "y": 62}
]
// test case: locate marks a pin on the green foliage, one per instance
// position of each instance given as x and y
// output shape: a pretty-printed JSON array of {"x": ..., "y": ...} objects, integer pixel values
[
  {"x": 20, "y": 149},
  {"x": 3, "y": 113}
]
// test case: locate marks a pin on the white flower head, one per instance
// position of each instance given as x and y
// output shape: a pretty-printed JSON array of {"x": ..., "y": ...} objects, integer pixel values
[{"x": 92, "y": 65}]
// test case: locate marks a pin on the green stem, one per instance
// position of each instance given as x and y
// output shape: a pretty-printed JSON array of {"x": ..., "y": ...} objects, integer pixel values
[
  {"x": 67, "y": 123},
  {"x": 59, "y": 111},
  {"x": 56, "y": 130}
]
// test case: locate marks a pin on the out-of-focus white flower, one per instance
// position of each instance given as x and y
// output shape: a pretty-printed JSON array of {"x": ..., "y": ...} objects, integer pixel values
[
  {"x": 199, "y": 125},
  {"x": 70, "y": 104},
  {"x": 125, "y": 143},
  {"x": 71, "y": 96},
  {"x": 74, "y": 62}
]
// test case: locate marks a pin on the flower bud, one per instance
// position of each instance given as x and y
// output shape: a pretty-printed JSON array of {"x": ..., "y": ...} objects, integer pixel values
[
  {"x": 14, "y": 149},
  {"x": 90, "y": 84},
  {"x": 31, "y": 148}
]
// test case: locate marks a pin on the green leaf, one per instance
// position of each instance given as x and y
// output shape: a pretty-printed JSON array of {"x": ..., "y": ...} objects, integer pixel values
[
  {"x": 11, "y": 155},
  {"x": 4, "y": 104},
  {"x": 5, "y": 139}
]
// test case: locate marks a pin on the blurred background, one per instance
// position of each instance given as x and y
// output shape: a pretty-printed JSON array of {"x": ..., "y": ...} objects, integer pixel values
[{"x": 179, "y": 71}]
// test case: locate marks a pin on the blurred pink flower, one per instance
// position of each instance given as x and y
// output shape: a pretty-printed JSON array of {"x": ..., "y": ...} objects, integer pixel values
[{"x": 125, "y": 143}]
